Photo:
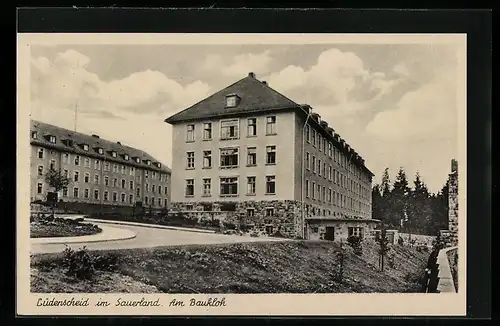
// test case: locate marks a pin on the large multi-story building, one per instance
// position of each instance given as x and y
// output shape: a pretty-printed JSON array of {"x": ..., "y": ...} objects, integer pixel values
[
  {"x": 100, "y": 171},
  {"x": 273, "y": 163}
]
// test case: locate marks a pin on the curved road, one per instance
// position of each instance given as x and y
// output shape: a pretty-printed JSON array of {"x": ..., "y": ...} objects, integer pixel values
[{"x": 152, "y": 237}]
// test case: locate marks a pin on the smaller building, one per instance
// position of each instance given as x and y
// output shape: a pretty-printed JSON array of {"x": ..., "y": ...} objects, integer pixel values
[{"x": 337, "y": 229}]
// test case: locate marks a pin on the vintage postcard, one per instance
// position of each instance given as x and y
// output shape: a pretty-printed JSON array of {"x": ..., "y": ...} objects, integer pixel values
[{"x": 249, "y": 174}]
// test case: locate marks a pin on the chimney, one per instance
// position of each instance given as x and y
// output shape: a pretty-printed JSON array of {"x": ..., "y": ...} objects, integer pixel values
[
  {"x": 264, "y": 82},
  {"x": 119, "y": 143},
  {"x": 95, "y": 136},
  {"x": 251, "y": 74}
]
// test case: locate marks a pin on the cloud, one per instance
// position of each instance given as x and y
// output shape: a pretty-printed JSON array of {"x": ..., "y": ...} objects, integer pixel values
[
  {"x": 401, "y": 69},
  {"x": 240, "y": 65}
]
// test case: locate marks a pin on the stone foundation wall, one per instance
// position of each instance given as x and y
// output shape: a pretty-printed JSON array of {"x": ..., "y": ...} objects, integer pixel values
[
  {"x": 317, "y": 229},
  {"x": 286, "y": 218},
  {"x": 453, "y": 205}
]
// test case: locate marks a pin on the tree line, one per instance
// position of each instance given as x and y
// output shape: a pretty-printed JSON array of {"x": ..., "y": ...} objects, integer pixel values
[{"x": 410, "y": 209}]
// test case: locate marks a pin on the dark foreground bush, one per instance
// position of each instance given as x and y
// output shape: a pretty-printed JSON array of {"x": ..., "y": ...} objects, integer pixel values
[
  {"x": 355, "y": 243},
  {"x": 78, "y": 264}
]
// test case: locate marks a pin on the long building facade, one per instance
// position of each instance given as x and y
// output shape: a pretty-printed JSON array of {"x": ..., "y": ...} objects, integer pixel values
[
  {"x": 269, "y": 163},
  {"x": 100, "y": 171}
]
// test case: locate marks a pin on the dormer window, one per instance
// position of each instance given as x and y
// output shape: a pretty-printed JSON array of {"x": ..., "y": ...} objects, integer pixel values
[
  {"x": 125, "y": 156},
  {"x": 100, "y": 150},
  {"x": 34, "y": 134},
  {"x": 158, "y": 165},
  {"x": 232, "y": 100},
  {"x": 113, "y": 154},
  {"x": 148, "y": 162},
  {"x": 137, "y": 160},
  {"x": 85, "y": 147},
  {"x": 52, "y": 139}
]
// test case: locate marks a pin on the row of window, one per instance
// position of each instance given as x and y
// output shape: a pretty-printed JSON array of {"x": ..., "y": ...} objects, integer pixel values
[
  {"x": 327, "y": 147},
  {"x": 335, "y": 176},
  {"x": 229, "y": 157},
  {"x": 321, "y": 193},
  {"x": 250, "y": 211},
  {"x": 99, "y": 150},
  {"x": 130, "y": 170},
  {"x": 230, "y": 129},
  {"x": 228, "y": 186},
  {"x": 86, "y": 195}
]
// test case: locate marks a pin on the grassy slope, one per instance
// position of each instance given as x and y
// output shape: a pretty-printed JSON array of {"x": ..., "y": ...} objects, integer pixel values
[{"x": 284, "y": 267}]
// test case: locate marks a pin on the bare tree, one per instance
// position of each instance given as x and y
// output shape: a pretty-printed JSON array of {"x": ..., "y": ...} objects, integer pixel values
[
  {"x": 56, "y": 180},
  {"x": 383, "y": 246}
]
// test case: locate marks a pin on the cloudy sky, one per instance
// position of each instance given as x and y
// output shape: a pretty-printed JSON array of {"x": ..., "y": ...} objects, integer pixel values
[{"x": 395, "y": 104}]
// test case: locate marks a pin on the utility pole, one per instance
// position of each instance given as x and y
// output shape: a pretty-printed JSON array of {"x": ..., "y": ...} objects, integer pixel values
[{"x": 76, "y": 113}]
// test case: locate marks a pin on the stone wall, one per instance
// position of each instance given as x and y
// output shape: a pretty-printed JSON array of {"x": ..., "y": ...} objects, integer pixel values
[
  {"x": 453, "y": 205},
  {"x": 286, "y": 218}
]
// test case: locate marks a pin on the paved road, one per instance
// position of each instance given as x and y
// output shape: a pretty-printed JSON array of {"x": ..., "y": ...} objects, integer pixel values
[{"x": 152, "y": 237}]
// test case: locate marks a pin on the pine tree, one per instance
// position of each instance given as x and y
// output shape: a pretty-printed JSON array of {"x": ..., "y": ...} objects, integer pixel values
[
  {"x": 383, "y": 246},
  {"x": 399, "y": 196},
  {"x": 377, "y": 203}
]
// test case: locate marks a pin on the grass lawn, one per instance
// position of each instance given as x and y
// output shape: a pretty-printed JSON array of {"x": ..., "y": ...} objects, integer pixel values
[
  {"x": 265, "y": 267},
  {"x": 59, "y": 227}
]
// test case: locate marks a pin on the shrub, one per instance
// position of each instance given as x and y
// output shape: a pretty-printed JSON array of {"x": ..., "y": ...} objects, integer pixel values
[
  {"x": 355, "y": 243},
  {"x": 78, "y": 264},
  {"x": 400, "y": 241},
  {"x": 106, "y": 262}
]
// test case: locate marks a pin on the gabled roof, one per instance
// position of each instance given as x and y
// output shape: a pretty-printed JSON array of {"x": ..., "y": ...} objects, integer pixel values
[
  {"x": 44, "y": 130},
  {"x": 255, "y": 96}
]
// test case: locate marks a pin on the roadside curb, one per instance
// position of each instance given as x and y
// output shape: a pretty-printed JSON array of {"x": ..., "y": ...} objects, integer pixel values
[
  {"x": 108, "y": 233},
  {"x": 156, "y": 226}
]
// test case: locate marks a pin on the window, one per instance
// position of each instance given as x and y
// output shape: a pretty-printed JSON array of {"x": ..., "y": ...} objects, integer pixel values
[
  {"x": 97, "y": 165},
  {"x": 207, "y": 159},
  {"x": 52, "y": 139},
  {"x": 190, "y": 133},
  {"x": 39, "y": 188},
  {"x": 66, "y": 173},
  {"x": 229, "y": 158},
  {"x": 207, "y": 131},
  {"x": 271, "y": 155},
  {"x": 314, "y": 137},
  {"x": 307, "y": 189},
  {"x": 146, "y": 174},
  {"x": 76, "y": 192},
  {"x": 324, "y": 145},
  {"x": 229, "y": 129},
  {"x": 123, "y": 197},
  {"x": 86, "y": 178},
  {"x": 130, "y": 199},
  {"x": 189, "y": 187},
  {"x": 159, "y": 201},
  {"x": 308, "y": 161},
  {"x": 153, "y": 188},
  {"x": 319, "y": 142},
  {"x": 107, "y": 166},
  {"x": 207, "y": 187},
  {"x": 271, "y": 125},
  {"x": 153, "y": 175},
  {"x": 106, "y": 180},
  {"x": 34, "y": 135},
  {"x": 330, "y": 149},
  {"x": 231, "y": 101},
  {"x": 100, "y": 151},
  {"x": 96, "y": 194},
  {"x": 314, "y": 164},
  {"x": 77, "y": 160},
  {"x": 40, "y": 153},
  {"x": 115, "y": 182},
  {"x": 319, "y": 167},
  {"x": 165, "y": 202},
  {"x": 131, "y": 171},
  {"x": 124, "y": 169},
  {"x": 313, "y": 188},
  {"x": 87, "y": 193},
  {"x": 251, "y": 156},
  {"x": 166, "y": 190},
  {"x": 252, "y": 127},
  {"x": 137, "y": 160},
  {"x": 115, "y": 196},
  {"x": 65, "y": 192},
  {"x": 123, "y": 183},
  {"x": 125, "y": 156},
  {"x": 131, "y": 185},
  {"x": 106, "y": 196},
  {"x": 66, "y": 158},
  {"x": 270, "y": 185},
  {"x": 269, "y": 212},
  {"x": 87, "y": 162},
  {"x": 229, "y": 186},
  {"x": 250, "y": 212},
  {"x": 355, "y": 231},
  {"x": 96, "y": 179},
  {"x": 190, "y": 160},
  {"x": 40, "y": 170},
  {"x": 330, "y": 172},
  {"x": 76, "y": 176},
  {"x": 146, "y": 200},
  {"x": 138, "y": 191},
  {"x": 147, "y": 187},
  {"x": 318, "y": 191},
  {"x": 308, "y": 134},
  {"x": 324, "y": 194},
  {"x": 250, "y": 185},
  {"x": 324, "y": 169}
]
